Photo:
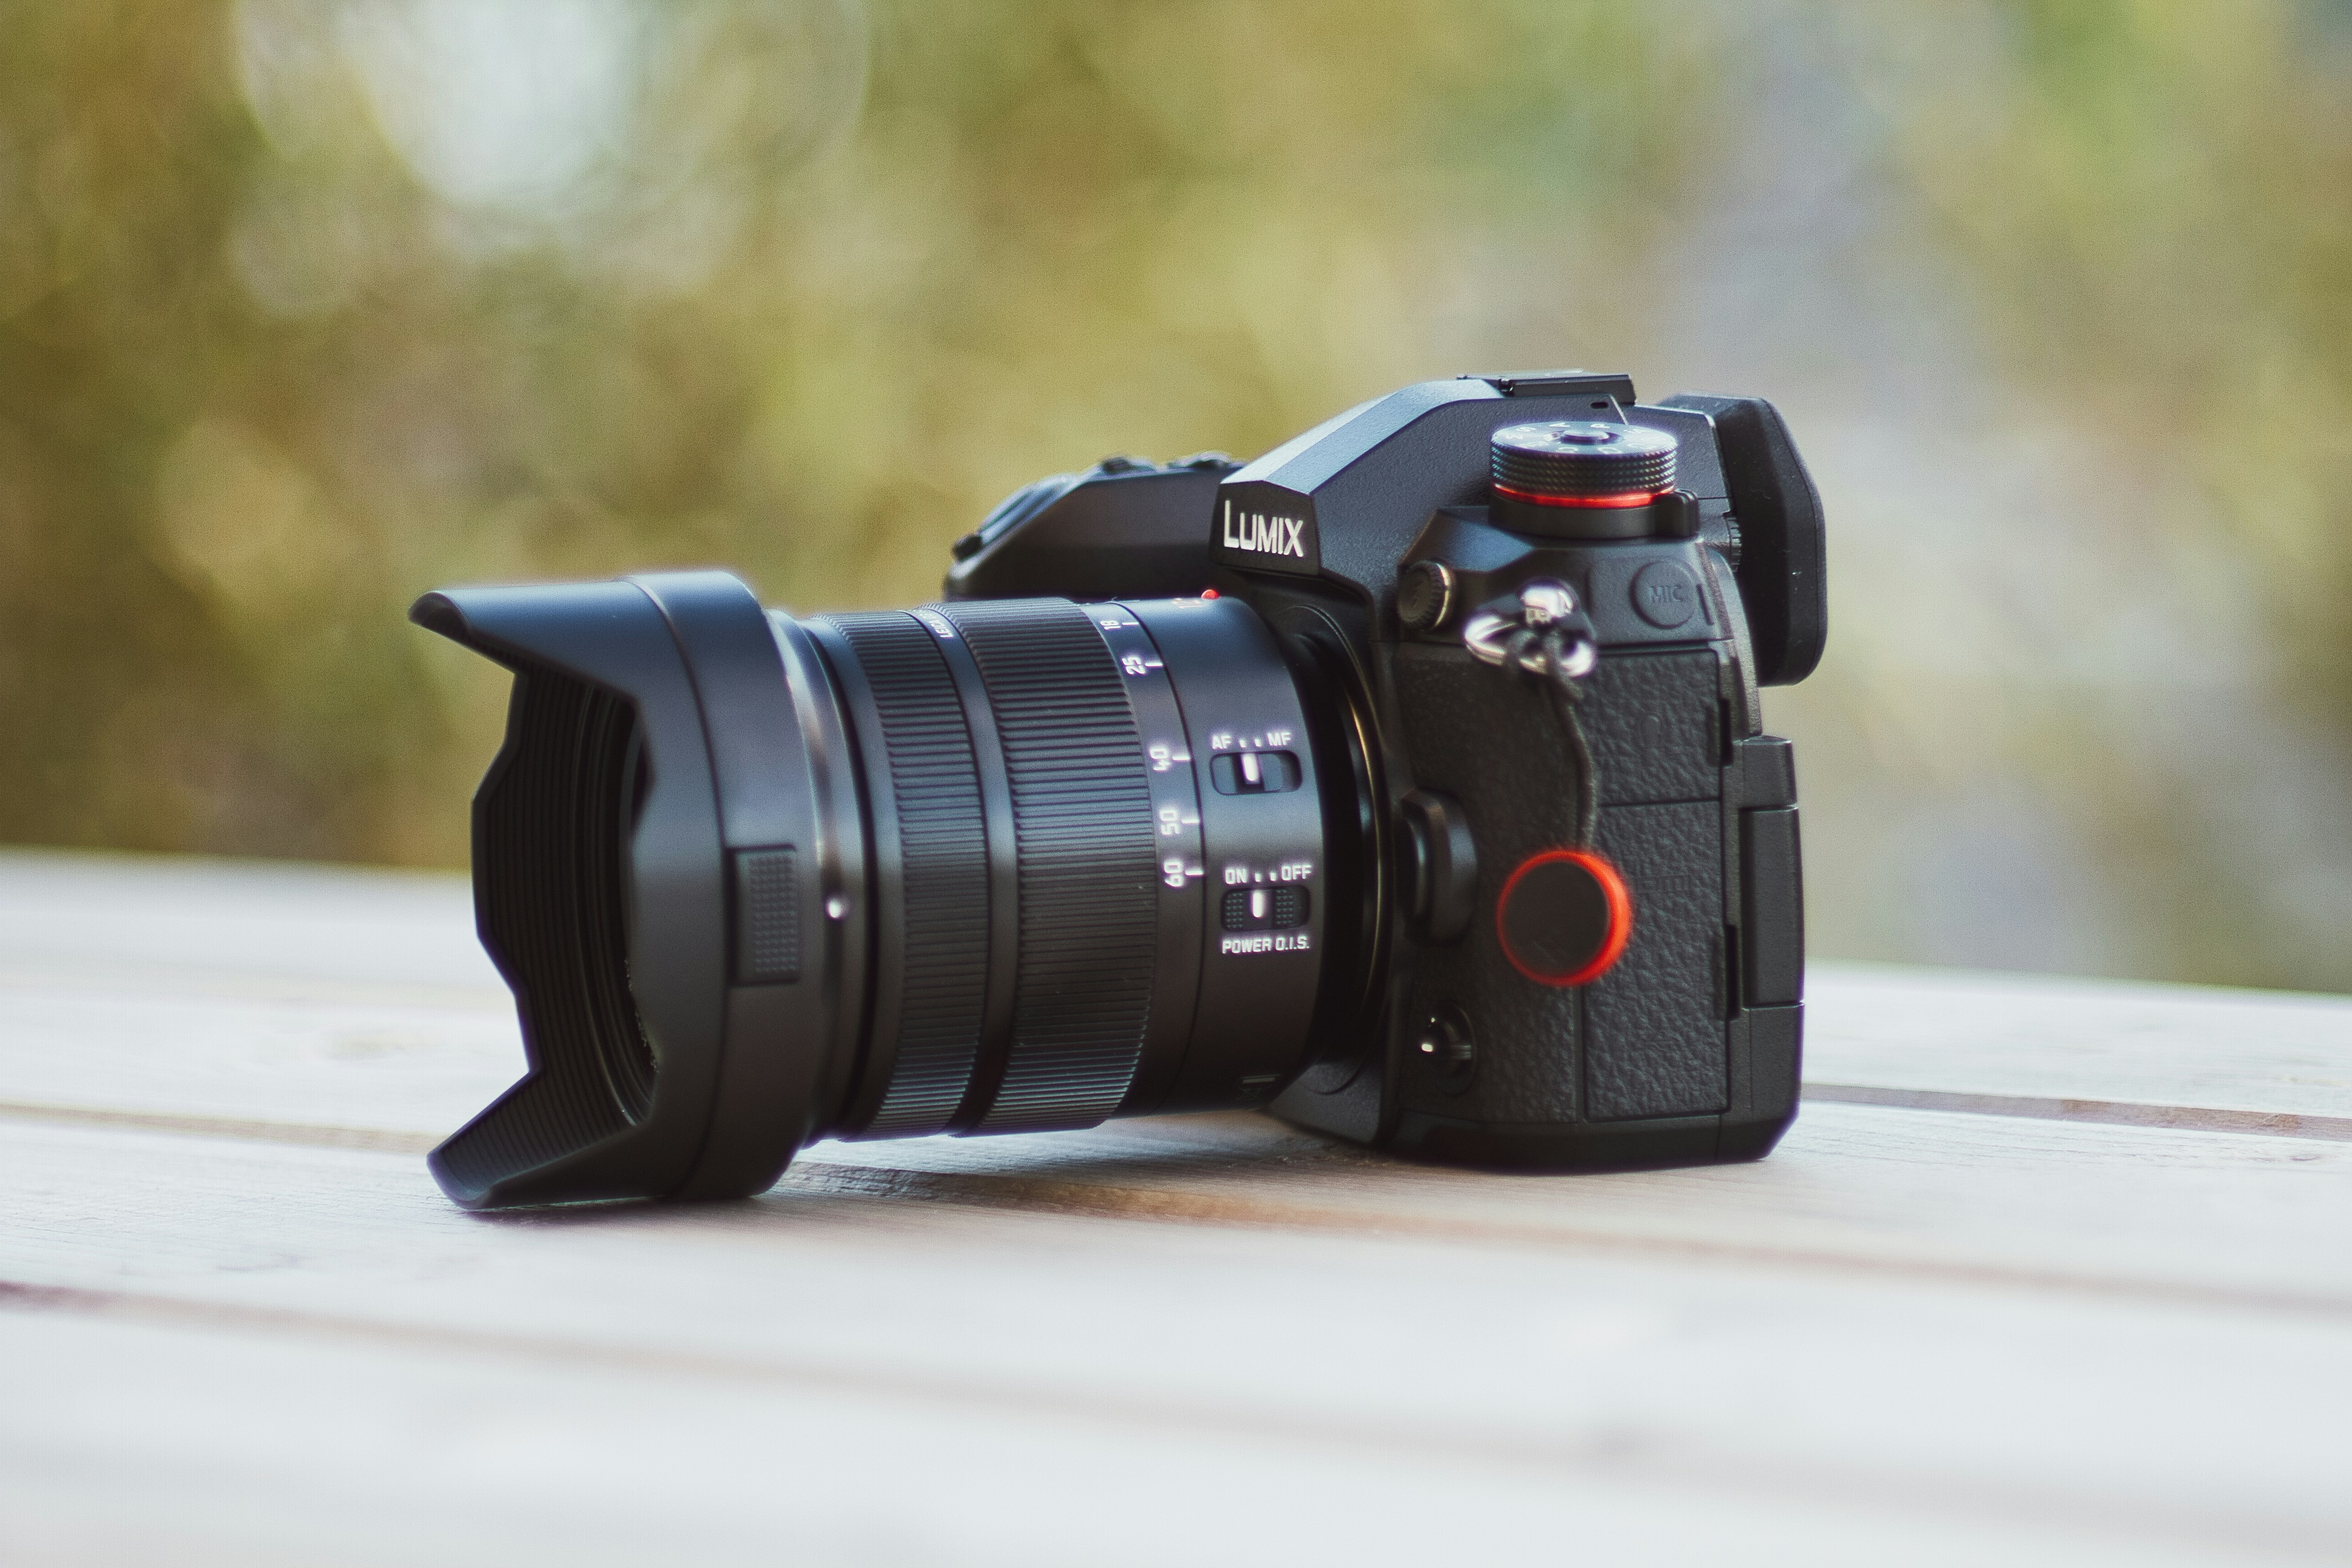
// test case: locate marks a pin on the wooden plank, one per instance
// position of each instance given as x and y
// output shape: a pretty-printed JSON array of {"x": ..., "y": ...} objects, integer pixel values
[
  {"x": 230, "y": 989},
  {"x": 2087, "y": 1049},
  {"x": 125, "y": 1441},
  {"x": 1911, "y": 1334},
  {"x": 419, "y": 1060},
  {"x": 2194, "y": 1219},
  {"x": 210, "y": 924},
  {"x": 316, "y": 1064},
  {"x": 250, "y": 992},
  {"x": 1535, "y": 1361},
  {"x": 305, "y": 1061},
  {"x": 412, "y": 1062},
  {"x": 163, "y": 951}
]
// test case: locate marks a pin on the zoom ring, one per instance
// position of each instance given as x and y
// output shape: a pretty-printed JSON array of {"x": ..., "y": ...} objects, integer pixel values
[
  {"x": 1082, "y": 815},
  {"x": 943, "y": 850}
]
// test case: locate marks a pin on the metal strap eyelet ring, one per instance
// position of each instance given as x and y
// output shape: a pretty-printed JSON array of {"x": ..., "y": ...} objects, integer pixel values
[{"x": 1487, "y": 637}]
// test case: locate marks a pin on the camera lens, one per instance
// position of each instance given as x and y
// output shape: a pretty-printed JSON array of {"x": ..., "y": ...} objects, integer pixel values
[{"x": 981, "y": 867}]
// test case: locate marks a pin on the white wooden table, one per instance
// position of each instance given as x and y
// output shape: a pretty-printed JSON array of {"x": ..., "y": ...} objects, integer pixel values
[{"x": 2048, "y": 1271}]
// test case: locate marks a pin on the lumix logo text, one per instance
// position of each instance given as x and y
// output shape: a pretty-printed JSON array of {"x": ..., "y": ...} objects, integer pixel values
[{"x": 1268, "y": 535}]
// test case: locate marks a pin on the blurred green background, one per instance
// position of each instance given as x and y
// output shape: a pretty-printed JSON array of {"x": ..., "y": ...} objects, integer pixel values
[{"x": 308, "y": 305}]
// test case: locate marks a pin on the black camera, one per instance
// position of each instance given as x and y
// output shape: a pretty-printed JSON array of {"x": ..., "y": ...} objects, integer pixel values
[{"x": 1407, "y": 782}]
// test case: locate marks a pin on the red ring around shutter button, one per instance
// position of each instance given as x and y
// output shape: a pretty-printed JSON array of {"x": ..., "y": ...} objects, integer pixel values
[{"x": 1564, "y": 916}]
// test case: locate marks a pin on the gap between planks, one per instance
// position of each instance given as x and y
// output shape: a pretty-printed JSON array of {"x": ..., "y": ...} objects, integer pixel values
[
  {"x": 2111, "y": 1112},
  {"x": 2034, "y": 1108}
]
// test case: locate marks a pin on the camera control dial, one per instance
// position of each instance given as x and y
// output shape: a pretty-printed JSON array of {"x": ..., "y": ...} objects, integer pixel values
[
  {"x": 1425, "y": 595},
  {"x": 1585, "y": 479},
  {"x": 1583, "y": 463},
  {"x": 1564, "y": 916}
]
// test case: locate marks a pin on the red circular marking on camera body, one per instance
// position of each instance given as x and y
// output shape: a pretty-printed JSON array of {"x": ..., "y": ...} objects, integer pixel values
[
  {"x": 1622, "y": 499},
  {"x": 1558, "y": 872}
]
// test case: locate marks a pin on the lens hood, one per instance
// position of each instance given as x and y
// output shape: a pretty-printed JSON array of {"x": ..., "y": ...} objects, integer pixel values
[{"x": 654, "y": 878}]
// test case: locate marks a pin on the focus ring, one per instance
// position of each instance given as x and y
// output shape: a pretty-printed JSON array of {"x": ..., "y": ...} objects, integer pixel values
[
  {"x": 943, "y": 853},
  {"x": 1082, "y": 813}
]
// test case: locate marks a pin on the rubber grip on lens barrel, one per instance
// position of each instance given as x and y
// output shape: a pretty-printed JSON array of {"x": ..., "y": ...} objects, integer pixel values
[
  {"x": 1082, "y": 813},
  {"x": 942, "y": 871}
]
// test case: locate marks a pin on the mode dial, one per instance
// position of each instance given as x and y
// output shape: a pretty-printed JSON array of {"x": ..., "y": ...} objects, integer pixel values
[
  {"x": 1581, "y": 479},
  {"x": 1582, "y": 462}
]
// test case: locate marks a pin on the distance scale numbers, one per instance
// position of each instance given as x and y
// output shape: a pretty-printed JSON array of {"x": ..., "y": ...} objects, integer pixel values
[
  {"x": 1168, "y": 756},
  {"x": 1263, "y": 908}
]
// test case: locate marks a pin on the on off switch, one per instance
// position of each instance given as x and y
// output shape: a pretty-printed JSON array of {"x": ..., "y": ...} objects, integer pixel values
[{"x": 1264, "y": 909}]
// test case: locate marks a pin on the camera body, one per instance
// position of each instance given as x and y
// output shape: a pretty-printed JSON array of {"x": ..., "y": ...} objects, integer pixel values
[
  {"x": 1408, "y": 781},
  {"x": 1372, "y": 546}
]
